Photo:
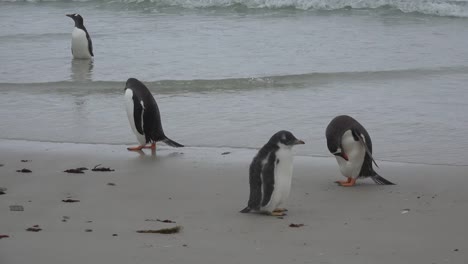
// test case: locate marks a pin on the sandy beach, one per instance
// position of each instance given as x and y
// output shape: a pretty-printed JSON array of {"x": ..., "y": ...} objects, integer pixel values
[
  {"x": 420, "y": 220},
  {"x": 227, "y": 75}
]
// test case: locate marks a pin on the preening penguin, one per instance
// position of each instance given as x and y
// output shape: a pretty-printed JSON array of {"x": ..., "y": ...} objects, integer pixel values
[
  {"x": 270, "y": 174},
  {"x": 349, "y": 141},
  {"x": 82, "y": 47},
  {"x": 143, "y": 115}
]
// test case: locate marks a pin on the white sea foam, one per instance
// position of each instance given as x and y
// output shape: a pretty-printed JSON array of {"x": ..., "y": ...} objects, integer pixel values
[
  {"x": 430, "y": 7},
  {"x": 455, "y": 8}
]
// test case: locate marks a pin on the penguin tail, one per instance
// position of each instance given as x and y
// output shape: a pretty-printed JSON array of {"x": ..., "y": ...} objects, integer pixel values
[
  {"x": 245, "y": 210},
  {"x": 172, "y": 143},
  {"x": 381, "y": 180}
]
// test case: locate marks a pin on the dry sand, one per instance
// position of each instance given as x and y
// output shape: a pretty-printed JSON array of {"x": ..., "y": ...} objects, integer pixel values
[{"x": 202, "y": 190}]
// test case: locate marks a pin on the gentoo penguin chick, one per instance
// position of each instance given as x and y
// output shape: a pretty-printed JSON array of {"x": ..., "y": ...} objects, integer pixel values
[
  {"x": 143, "y": 115},
  {"x": 271, "y": 173},
  {"x": 82, "y": 47},
  {"x": 352, "y": 146}
]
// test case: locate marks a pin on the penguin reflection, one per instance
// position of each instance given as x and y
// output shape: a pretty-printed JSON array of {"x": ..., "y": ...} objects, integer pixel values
[{"x": 81, "y": 70}]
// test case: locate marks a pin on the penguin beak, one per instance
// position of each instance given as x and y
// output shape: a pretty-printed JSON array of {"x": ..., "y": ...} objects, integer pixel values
[
  {"x": 299, "y": 142},
  {"x": 69, "y": 15},
  {"x": 343, "y": 155}
]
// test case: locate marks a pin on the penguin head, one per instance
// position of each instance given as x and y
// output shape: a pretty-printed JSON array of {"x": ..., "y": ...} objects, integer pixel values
[
  {"x": 133, "y": 83},
  {"x": 285, "y": 138},
  {"x": 77, "y": 18},
  {"x": 335, "y": 147}
]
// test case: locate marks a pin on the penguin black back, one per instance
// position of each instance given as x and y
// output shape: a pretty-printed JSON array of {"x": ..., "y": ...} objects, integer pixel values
[
  {"x": 145, "y": 104},
  {"x": 338, "y": 126},
  {"x": 144, "y": 100},
  {"x": 334, "y": 133},
  {"x": 335, "y": 130}
]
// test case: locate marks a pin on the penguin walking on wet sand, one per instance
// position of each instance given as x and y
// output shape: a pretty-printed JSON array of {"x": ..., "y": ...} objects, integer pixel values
[
  {"x": 82, "y": 47},
  {"x": 143, "y": 115},
  {"x": 271, "y": 173},
  {"x": 349, "y": 141}
]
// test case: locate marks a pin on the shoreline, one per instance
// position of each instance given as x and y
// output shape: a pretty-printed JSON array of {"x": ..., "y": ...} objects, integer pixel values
[
  {"x": 203, "y": 191},
  {"x": 11, "y": 145}
]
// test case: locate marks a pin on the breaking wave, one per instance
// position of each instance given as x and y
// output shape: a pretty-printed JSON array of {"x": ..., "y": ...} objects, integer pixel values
[
  {"x": 454, "y": 8},
  {"x": 293, "y": 81},
  {"x": 429, "y": 7}
]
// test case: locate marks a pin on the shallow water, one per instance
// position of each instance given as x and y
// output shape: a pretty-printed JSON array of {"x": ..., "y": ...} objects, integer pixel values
[{"x": 232, "y": 76}]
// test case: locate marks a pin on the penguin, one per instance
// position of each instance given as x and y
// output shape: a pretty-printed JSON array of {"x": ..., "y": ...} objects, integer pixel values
[
  {"x": 270, "y": 175},
  {"x": 349, "y": 141},
  {"x": 143, "y": 115},
  {"x": 82, "y": 47}
]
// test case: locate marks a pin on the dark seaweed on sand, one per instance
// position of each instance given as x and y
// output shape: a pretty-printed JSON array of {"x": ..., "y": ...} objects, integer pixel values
[
  {"x": 101, "y": 169},
  {"x": 162, "y": 221},
  {"x": 171, "y": 230},
  {"x": 296, "y": 225},
  {"x": 35, "y": 228},
  {"x": 70, "y": 201},
  {"x": 77, "y": 170},
  {"x": 165, "y": 221}
]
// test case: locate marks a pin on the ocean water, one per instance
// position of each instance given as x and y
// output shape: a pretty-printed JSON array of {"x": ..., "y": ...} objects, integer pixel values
[{"x": 231, "y": 73}]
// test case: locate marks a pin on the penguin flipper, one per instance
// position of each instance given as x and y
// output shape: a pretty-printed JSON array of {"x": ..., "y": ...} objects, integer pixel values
[
  {"x": 261, "y": 180},
  {"x": 268, "y": 178},
  {"x": 363, "y": 142},
  {"x": 139, "y": 115},
  {"x": 90, "y": 44},
  {"x": 381, "y": 180},
  {"x": 255, "y": 182},
  {"x": 172, "y": 143}
]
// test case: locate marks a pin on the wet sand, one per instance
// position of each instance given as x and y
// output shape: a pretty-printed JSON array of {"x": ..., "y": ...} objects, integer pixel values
[{"x": 202, "y": 191}]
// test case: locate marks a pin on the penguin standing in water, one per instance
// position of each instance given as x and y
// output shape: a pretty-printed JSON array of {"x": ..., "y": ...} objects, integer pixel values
[
  {"x": 143, "y": 115},
  {"x": 82, "y": 47},
  {"x": 271, "y": 174},
  {"x": 349, "y": 141}
]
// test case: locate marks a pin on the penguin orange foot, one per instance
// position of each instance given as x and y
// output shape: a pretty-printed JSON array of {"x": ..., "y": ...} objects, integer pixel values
[
  {"x": 277, "y": 213},
  {"x": 279, "y": 210},
  {"x": 135, "y": 148},
  {"x": 153, "y": 146},
  {"x": 350, "y": 182}
]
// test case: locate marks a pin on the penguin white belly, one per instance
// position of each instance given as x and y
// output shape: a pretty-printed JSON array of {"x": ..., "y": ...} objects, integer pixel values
[
  {"x": 79, "y": 45},
  {"x": 356, "y": 154},
  {"x": 283, "y": 176},
  {"x": 130, "y": 109}
]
